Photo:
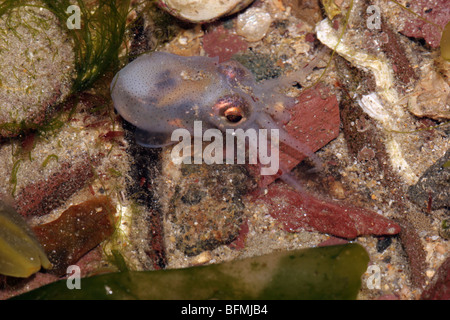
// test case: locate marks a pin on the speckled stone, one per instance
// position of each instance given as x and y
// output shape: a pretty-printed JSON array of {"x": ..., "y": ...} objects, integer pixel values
[
  {"x": 37, "y": 62},
  {"x": 207, "y": 207}
]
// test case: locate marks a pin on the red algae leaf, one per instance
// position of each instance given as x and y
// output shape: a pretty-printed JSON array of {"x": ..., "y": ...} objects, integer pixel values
[
  {"x": 437, "y": 12},
  {"x": 301, "y": 211},
  {"x": 221, "y": 43},
  {"x": 79, "y": 229},
  {"x": 314, "y": 122},
  {"x": 439, "y": 288},
  {"x": 239, "y": 242},
  {"x": 415, "y": 252}
]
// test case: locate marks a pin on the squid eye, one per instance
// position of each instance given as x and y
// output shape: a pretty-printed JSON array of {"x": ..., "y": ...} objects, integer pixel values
[
  {"x": 234, "y": 114},
  {"x": 233, "y": 109}
]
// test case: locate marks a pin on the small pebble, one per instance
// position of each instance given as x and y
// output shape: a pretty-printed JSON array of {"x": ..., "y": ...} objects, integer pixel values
[
  {"x": 430, "y": 273},
  {"x": 383, "y": 243},
  {"x": 202, "y": 258},
  {"x": 337, "y": 190},
  {"x": 253, "y": 24},
  {"x": 441, "y": 249}
]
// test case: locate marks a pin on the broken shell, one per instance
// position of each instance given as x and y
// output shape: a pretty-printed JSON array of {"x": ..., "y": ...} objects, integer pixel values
[
  {"x": 431, "y": 97},
  {"x": 202, "y": 10}
]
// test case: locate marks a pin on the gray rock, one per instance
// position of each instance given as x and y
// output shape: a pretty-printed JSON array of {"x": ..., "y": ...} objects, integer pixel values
[{"x": 433, "y": 186}]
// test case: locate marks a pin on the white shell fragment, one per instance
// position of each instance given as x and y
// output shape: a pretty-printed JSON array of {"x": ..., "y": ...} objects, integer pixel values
[
  {"x": 379, "y": 66},
  {"x": 381, "y": 105},
  {"x": 373, "y": 106},
  {"x": 202, "y": 10},
  {"x": 253, "y": 24}
]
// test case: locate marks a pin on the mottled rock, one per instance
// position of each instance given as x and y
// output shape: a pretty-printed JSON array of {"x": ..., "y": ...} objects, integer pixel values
[
  {"x": 432, "y": 190},
  {"x": 37, "y": 199},
  {"x": 383, "y": 243},
  {"x": 207, "y": 208},
  {"x": 263, "y": 66},
  {"x": 239, "y": 242},
  {"x": 253, "y": 24},
  {"x": 202, "y": 11},
  {"x": 307, "y": 10}
]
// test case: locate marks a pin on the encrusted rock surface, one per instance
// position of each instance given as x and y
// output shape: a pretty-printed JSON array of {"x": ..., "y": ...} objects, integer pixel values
[{"x": 37, "y": 66}]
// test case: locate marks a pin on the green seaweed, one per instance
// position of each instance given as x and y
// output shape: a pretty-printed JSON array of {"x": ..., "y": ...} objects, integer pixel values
[
  {"x": 97, "y": 45},
  {"x": 331, "y": 9},
  {"x": 445, "y": 42},
  {"x": 98, "y": 41},
  {"x": 114, "y": 173},
  {"x": 445, "y": 225},
  {"x": 420, "y": 130},
  {"x": 13, "y": 178},
  {"x": 444, "y": 230},
  {"x": 344, "y": 29},
  {"x": 117, "y": 259},
  {"x": 325, "y": 273},
  {"x": 47, "y": 160}
]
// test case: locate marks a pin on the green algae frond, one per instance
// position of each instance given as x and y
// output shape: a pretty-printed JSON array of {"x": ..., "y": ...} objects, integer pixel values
[
  {"x": 324, "y": 273},
  {"x": 47, "y": 160},
  {"x": 13, "y": 178},
  {"x": 100, "y": 38},
  {"x": 331, "y": 8},
  {"x": 98, "y": 41},
  {"x": 21, "y": 255},
  {"x": 445, "y": 42}
]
